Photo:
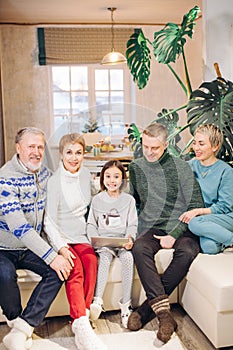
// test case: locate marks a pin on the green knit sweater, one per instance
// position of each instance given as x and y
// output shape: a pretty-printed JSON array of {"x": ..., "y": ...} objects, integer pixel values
[{"x": 163, "y": 190}]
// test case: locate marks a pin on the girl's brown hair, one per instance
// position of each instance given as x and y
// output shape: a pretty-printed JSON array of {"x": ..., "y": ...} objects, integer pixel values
[{"x": 110, "y": 164}]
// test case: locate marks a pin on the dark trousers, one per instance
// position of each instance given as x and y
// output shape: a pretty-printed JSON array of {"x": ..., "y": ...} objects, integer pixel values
[
  {"x": 43, "y": 294},
  {"x": 146, "y": 246}
]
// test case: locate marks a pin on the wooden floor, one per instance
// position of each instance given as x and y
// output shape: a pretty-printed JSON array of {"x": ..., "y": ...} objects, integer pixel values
[{"x": 109, "y": 322}]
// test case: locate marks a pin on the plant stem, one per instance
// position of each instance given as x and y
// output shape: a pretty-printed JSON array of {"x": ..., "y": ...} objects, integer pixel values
[
  {"x": 186, "y": 147},
  {"x": 178, "y": 79},
  {"x": 189, "y": 88}
]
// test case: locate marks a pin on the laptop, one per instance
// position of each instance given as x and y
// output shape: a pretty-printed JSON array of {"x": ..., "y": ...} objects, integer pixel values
[{"x": 113, "y": 242}]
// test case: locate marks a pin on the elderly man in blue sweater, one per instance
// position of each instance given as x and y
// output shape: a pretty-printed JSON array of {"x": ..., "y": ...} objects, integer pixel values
[
  {"x": 164, "y": 187},
  {"x": 23, "y": 182}
]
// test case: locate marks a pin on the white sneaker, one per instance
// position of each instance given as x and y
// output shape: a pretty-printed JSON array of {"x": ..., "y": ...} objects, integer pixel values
[
  {"x": 85, "y": 337},
  {"x": 126, "y": 310},
  {"x": 96, "y": 308}
]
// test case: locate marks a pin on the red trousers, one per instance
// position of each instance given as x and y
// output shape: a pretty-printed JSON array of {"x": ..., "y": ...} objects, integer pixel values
[{"x": 80, "y": 285}]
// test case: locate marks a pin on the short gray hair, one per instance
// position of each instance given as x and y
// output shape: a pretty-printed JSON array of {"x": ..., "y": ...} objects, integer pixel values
[
  {"x": 156, "y": 130},
  {"x": 27, "y": 130}
]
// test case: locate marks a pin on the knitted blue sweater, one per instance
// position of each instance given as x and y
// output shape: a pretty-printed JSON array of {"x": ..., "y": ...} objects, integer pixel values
[{"x": 22, "y": 204}]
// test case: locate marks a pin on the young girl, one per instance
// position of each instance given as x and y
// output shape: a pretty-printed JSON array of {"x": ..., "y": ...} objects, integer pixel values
[
  {"x": 214, "y": 223},
  {"x": 68, "y": 195},
  {"x": 113, "y": 213}
]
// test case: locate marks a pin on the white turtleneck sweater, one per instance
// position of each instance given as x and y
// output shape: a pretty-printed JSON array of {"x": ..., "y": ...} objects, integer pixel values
[{"x": 68, "y": 196}]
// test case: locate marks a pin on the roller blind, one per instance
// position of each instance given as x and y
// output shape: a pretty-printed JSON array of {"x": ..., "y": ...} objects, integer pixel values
[{"x": 79, "y": 45}]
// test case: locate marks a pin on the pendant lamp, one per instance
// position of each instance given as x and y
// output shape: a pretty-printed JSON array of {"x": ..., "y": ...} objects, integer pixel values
[{"x": 113, "y": 57}]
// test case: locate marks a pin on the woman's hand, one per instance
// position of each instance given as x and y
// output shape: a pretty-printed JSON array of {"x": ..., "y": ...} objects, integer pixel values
[
  {"x": 189, "y": 215},
  {"x": 68, "y": 255},
  {"x": 129, "y": 244}
]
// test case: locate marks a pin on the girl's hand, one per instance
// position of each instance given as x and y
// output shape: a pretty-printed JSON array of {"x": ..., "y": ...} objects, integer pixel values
[
  {"x": 129, "y": 244},
  {"x": 67, "y": 254}
]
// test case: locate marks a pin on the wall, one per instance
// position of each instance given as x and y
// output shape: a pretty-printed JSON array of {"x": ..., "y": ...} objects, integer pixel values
[
  {"x": 26, "y": 84},
  {"x": 218, "y": 38},
  {"x": 2, "y": 153}
]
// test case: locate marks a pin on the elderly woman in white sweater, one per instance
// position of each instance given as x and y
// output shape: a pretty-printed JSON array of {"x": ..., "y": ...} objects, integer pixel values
[{"x": 68, "y": 195}]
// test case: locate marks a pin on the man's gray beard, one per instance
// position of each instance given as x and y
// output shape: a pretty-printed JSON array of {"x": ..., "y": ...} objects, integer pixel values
[{"x": 32, "y": 167}]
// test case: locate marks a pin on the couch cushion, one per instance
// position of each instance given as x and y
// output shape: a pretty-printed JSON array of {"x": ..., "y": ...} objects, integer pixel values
[
  {"x": 212, "y": 275},
  {"x": 162, "y": 260},
  {"x": 27, "y": 276}
]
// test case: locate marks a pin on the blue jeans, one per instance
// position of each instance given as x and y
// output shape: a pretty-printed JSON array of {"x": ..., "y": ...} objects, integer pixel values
[
  {"x": 146, "y": 246},
  {"x": 43, "y": 294}
]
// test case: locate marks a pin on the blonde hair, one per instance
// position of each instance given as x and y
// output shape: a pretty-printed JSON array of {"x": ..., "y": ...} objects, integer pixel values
[
  {"x": 156, "y": 130},
  {"x": 213, "y": 132},
  {"x": 71, "y": 138}
]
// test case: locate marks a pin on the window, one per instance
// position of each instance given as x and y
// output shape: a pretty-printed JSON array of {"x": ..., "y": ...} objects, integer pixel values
[{"x": 89, "y": 93}]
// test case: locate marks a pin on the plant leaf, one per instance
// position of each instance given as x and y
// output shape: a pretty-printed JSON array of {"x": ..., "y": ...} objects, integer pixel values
[
  {"x": 170, "y": 119},
  {"x": 168, "y": 42},
  {"x": 138, "y": 58},
  {"x": 212, "y": 103},
  {"x": 134, "y": 134}
]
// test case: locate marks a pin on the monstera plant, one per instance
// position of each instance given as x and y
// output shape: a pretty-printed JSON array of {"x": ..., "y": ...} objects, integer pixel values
[{"x": 212, "y": 102}]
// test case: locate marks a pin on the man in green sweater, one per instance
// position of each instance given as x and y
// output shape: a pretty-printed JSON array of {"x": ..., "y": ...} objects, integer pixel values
[{"x": 164, "y": 187}]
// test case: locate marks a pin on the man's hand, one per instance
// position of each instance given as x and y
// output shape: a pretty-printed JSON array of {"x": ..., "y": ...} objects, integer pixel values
[
  {"x": 166, "y": 242},
  {"x": 68, "y": 255},
  {"x": 62, "y": 267}
]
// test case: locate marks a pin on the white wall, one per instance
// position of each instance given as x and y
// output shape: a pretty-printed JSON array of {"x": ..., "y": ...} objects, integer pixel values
[{"x": 218, "y": 37}]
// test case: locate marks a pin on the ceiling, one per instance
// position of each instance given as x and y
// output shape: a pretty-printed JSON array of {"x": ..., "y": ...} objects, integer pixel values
[{"x": 73, "y": 12}]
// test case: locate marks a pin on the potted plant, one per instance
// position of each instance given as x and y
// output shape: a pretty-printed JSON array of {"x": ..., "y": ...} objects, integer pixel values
[
  {"x": 212, "y": 102},
  {"x": 91, "y": 125}
]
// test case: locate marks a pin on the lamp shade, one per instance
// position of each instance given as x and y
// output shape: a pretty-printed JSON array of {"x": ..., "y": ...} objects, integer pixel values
[{"x": 113, "y": 58}]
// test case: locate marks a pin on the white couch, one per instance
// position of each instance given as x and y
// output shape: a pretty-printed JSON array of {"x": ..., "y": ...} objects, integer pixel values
[{"x": 206, "y": 294}]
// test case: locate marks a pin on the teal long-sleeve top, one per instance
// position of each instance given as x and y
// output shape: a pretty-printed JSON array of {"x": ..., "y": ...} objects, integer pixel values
[
  {"x": 216, "y": 182},
  {"x": 163, "y": 190}
]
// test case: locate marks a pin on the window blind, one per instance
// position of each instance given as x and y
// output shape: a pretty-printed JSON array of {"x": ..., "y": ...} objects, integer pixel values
[{"x": 79, "y": 45}]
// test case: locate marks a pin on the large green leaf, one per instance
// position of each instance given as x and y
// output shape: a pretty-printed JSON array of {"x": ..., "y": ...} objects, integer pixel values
[
  {"x": 135, "y": 136},
  {"x": 138, "y": 58},
  {"x": 212, "y": 103},
  {"x": 168, "y": 42},
  {"x": 170, "y": 120}
]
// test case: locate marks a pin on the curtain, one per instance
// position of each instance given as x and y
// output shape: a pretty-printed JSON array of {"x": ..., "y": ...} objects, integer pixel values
[
  {"x": 79, "y": 45},
  {"x": 2, "y": 157}
]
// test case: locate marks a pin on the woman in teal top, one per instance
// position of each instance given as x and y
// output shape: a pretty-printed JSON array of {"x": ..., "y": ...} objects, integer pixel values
[{"x": 214, "y": 223}]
